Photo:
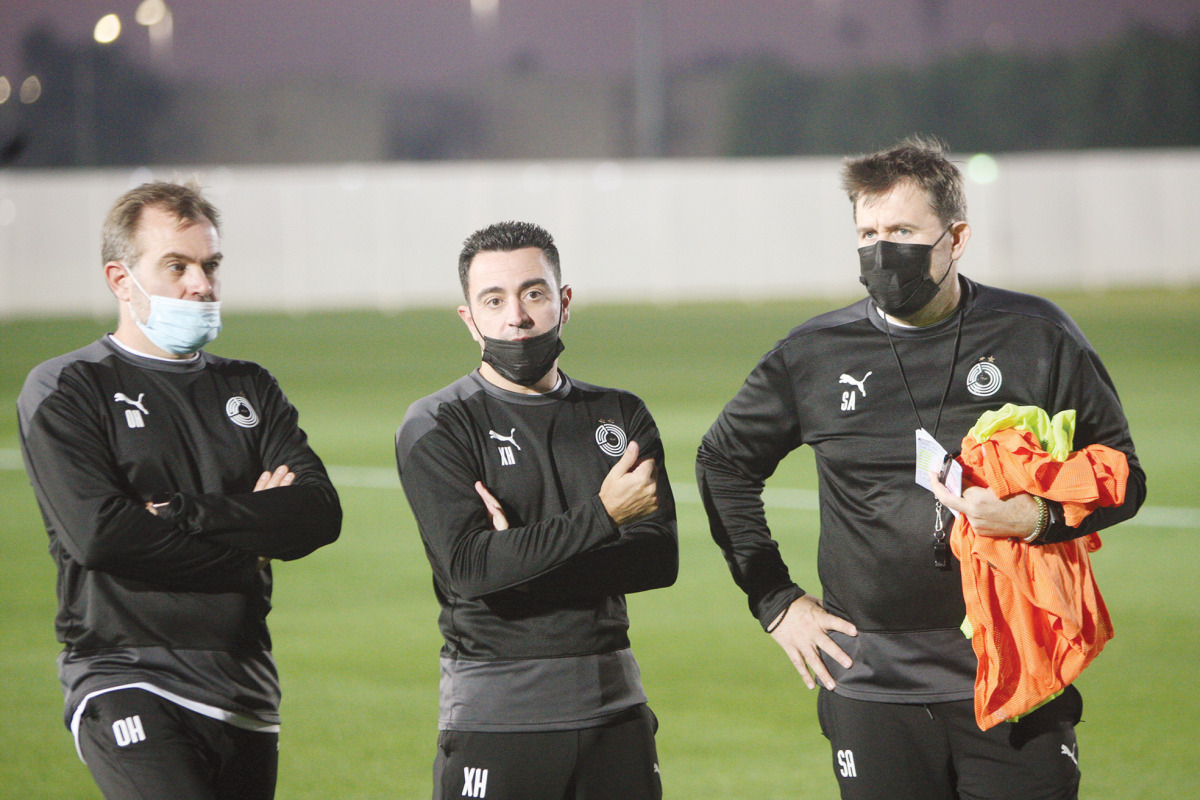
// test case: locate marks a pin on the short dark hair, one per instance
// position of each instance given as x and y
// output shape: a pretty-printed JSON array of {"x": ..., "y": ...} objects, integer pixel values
[
  {"x": 918, "y": 158},
  {"x": 118, "y": 237},
  {"x": 504, "y": 237}
]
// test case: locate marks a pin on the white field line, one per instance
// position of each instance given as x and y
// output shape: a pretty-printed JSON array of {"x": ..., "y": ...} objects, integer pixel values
[{"x": 792, "y": 499}]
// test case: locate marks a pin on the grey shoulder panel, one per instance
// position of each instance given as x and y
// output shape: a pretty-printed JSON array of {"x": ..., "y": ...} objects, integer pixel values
[
  {"x": 43, "y": 379},
  {"x": 422, "y": 416}
]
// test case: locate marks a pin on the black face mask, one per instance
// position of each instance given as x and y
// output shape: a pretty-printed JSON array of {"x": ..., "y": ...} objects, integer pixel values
[
  {"x": 523, "y": 362},
  {"x": 897, "y": 275}
]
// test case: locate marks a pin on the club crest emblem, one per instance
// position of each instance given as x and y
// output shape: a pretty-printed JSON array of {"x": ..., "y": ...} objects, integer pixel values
[
  {"x": 240, "y": 412},
  {"x": 611, "y": 439},
  {"x": 984, "y": 379}
]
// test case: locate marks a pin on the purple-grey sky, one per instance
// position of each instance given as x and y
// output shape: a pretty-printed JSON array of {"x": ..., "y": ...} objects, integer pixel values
[{"x": 422, "y": 42}]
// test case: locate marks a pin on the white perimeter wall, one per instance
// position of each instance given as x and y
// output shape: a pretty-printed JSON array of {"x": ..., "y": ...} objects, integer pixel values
[{"x": 387, "y": 236}]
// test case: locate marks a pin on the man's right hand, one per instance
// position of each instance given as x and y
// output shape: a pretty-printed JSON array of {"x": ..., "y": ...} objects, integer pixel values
[
  {"x": 282, "y": 476},
  {"x": 802, "y": 634},
  {"x": 630, "y": 490}
]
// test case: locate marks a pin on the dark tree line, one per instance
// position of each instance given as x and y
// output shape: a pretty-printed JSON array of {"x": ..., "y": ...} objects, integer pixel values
[
  {"x": 1142, "y": 90},
  {"x": 96, "y": 107}
]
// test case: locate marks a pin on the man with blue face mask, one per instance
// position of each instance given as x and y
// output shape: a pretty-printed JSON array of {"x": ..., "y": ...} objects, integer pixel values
[
  {"x": 917, "y": 361},
  {"x": 168, "y": 479}
]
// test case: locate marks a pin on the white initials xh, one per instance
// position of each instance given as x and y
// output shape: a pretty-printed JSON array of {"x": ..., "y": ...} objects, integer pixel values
[{"x": 474, "y": 782}]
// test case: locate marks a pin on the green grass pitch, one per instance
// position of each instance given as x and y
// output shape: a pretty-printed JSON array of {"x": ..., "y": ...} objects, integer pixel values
[{"x": 354, "y": 624}]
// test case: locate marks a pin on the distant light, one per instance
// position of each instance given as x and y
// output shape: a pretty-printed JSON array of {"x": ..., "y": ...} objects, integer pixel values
[
  {"x": 150, "y": 12},
  {"x": 5, "y": 90},
  {"x": 161, "y": 30},
  {"x": 485, "y": 10},
  {"x": 982, "y": 168},
  {"x": 31, "y": 90},
  {"x": 107, "y": 29}
]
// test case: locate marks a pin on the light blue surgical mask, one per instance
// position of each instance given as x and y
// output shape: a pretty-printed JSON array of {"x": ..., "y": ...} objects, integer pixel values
[{"x": 179, "y": 327}]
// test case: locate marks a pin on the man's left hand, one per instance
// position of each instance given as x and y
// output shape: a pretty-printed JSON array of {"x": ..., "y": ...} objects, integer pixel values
[{"x": 1014, "y": 516}]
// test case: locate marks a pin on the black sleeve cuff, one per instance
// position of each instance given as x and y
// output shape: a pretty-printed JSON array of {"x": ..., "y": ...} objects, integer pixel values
[
  {"x": 778, "y": 604},
  {"x": 1057, "y": 530},
  {"x": 171, "y": 510}
]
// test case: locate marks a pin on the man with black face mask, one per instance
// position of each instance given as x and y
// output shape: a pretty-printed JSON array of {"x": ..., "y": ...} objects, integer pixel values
[
  {"x": 542, "y": 501},
  {"x": 921, "y": 359}
]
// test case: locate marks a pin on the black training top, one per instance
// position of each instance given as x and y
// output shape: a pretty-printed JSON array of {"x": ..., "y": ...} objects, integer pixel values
[
  {"x": 533, "y": 616},
  {"x": 176, "y": 600},
  {"x": 833, "y": 384}
]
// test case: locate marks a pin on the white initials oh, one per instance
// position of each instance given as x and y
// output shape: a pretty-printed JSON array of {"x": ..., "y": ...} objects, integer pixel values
[{"x": 128, "y": 731}]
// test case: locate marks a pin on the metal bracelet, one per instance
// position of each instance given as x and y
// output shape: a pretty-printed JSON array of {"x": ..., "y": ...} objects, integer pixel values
[{"x": 1042, "y": 523}]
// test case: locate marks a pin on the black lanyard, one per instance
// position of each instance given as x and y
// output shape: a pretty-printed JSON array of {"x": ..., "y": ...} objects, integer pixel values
[
  {"x": 949, "y": 375},
  {"x": 941, "y": 549}
]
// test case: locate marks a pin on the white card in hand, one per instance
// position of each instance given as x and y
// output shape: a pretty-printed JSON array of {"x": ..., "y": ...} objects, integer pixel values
[{"x": 931, "y": 457}]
